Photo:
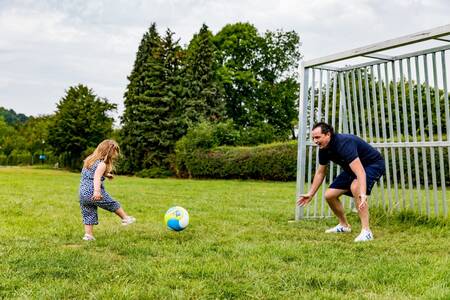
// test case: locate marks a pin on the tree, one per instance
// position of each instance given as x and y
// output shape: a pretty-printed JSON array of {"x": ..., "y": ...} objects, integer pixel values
[
  {"x": 205, "y": 92},
  {"x": 143, "y": 84},
  {"x": 238, "y": 46},
  {"x": 154, "y": 118},
  {"x": 166, "y": 119},
  {"x": 8, "y": 136},
  {"x": 278, "y": 89},
  {"x": 35, "y": 129},
  {"x": 259, "y": 76},
  {"x": 80, "y": 122},
  {"x": 11, "y": 117}
]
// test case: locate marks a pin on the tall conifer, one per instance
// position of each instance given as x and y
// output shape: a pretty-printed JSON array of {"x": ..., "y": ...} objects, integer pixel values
[
  {"x": 136, "y": 99},
  {"x": 205, "y": 96}
]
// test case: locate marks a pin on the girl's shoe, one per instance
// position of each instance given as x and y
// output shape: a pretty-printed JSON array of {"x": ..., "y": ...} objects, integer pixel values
[
  {"x": 128, "y": 220},
  {"x": 88, "y": 237}
]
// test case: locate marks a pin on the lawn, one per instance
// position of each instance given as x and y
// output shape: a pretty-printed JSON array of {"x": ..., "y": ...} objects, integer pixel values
[{"x": 239, "y": 245}]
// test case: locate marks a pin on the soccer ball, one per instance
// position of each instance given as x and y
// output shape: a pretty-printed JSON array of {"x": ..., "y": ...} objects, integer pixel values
[{"x": 176, "y": 218}]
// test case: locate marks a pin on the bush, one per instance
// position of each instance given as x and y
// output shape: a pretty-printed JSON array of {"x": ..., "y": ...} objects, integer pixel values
[
  {"x": 25, "y": 158},
  {"x": 267, "y": 162},
  {"x": 3, "y": 160},
  {"x": 199, "y": 137},
  {"x": 207, "y": 135},
  {"x": 263, "y": 134},
  {"x": 155, "y": 172},
  {"x": 16, "y": 158},
  {"x": 226, "y": 134}
]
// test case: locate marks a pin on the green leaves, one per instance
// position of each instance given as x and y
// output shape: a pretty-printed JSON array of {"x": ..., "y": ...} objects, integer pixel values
[
  {"x": 11, "y": 117},
  {"x": 237, "y": 75},
  {"x": 153, "y": 121},
  {"x": 81, "y": 121},
  {"x": 258, "y": 73},
  {"x": 205, "y": 91}
]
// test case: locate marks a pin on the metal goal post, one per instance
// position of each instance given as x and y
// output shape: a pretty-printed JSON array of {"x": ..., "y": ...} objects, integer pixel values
[{"x": 399, "y": 104}]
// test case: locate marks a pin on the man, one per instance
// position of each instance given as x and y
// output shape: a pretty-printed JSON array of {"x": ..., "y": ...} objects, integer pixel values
[{"x": 362, "y": 166}]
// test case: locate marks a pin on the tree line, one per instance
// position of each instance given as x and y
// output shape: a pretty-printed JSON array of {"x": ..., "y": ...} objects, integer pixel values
[
  {"x": 238, "y": 77},
  {"x": 238, "y": 86}
]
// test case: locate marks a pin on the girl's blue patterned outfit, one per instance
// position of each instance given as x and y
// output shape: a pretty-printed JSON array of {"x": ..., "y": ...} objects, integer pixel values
[{"x": 87, "y": 204}]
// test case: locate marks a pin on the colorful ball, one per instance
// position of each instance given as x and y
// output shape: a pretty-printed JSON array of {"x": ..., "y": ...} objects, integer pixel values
[{"x": 176, "y": 218}]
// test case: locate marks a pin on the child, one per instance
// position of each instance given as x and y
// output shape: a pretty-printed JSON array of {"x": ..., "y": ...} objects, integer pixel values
[{"x": 96, "y": 167}]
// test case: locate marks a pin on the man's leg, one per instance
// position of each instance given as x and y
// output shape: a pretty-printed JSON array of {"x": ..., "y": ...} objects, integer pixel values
[
  {"x": 363, "y": 212},
  {"x": 332, "y": 197}
]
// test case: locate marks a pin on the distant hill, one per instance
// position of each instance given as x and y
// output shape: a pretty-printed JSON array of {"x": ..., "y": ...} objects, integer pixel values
[{"x": 11, "y": 117}]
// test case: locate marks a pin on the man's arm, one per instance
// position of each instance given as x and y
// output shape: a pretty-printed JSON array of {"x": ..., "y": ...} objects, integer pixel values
[
  {"x": 320, "y": 174},
  {"x": 358, "y": 169}
]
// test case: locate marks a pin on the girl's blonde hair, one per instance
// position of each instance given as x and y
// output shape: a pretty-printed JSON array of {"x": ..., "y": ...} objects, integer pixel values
[{"x": 107, "y": 151}]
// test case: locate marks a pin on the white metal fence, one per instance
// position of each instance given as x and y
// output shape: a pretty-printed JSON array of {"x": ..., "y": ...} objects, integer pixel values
[{"x": 399, "y": 104}]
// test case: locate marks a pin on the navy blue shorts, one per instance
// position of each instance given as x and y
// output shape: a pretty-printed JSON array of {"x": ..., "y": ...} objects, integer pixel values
[{"x": 373, "y": 173}]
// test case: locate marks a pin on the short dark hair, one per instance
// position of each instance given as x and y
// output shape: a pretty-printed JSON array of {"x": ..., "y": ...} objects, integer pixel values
[{"x": 326, "y": 128}]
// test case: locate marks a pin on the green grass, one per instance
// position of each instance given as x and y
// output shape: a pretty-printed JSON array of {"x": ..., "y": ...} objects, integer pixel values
[{"x": 239, "y": 245}]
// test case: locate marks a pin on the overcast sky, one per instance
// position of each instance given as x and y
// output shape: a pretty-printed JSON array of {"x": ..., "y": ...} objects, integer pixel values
[{"x": 47, "y": 46}]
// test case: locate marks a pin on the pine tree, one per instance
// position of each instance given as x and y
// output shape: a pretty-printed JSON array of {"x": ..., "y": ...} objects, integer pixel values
[
  {"x": 205, "y": 96},
  {"x": 165, "y": 115},
  {"x": 134, "y": 119},
  {"x": 153, "y": 119}
]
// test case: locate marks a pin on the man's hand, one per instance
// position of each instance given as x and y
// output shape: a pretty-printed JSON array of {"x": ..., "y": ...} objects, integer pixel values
[
  {"x": 304, "y": 199},
  {"x": 362, "y": 201},
  {"x": 97, "y": 196}
]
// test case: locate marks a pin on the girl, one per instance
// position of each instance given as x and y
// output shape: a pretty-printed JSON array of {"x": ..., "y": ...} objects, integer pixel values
[{"x": 96, "y": 167}]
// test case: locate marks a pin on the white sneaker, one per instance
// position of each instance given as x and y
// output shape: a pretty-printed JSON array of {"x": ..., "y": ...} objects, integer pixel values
[
  {"x": 364, "y": 236},
  {"x": 338, "y": 229},
  {"x": 128, "y": 220},
  {"x": 88, "y": 237}
]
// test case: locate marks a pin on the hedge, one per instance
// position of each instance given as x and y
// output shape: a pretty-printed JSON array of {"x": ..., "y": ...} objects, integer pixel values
[
  {"x": 25, "y": 159},
  {"x": 267, "y": 162}
]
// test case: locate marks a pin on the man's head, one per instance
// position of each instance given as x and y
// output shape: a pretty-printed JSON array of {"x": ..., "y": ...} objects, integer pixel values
[{"x": 321, "y": 134}]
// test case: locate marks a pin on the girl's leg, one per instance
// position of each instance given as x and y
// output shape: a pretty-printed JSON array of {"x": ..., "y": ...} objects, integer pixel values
[
  {"x": 112, "y": 205},
  {"x": 121, "y": 213},
  {"x": 126, "y": 219},
  {"x": 90, "y": 217},
  {"x": 89, "y": 229}
]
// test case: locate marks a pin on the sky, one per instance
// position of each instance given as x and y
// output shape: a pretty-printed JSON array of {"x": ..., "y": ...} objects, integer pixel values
[{"x": 46, "y": 46}]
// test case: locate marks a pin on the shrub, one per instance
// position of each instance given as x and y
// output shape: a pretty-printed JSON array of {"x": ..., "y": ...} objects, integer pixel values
[
  {"x": 226, "y": 134},
  {"x": 276, "y": 161},
  {"x": 155, "y": 172},
  {"x": 262, "y": 134}
]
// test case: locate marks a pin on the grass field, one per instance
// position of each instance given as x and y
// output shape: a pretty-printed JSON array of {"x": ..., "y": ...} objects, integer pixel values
[{"x": 239, "y": 244}]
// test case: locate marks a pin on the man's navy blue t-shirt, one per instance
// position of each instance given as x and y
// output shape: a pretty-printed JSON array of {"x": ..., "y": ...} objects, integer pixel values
[{"x": 344, "y": 148}]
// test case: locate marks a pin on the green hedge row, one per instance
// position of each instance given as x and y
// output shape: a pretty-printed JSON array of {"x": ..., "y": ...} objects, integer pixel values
[
  {"x": 14, "y": 160},
  {"x": 267, "y": 162},
  {"x": 24, "y": 159}
]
